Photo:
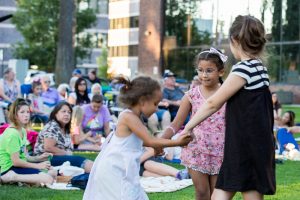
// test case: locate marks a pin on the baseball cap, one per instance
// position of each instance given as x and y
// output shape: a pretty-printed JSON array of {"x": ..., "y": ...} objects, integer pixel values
[
  {"x": 169, "y": 74},
  {"x": 76, "y": 72}
]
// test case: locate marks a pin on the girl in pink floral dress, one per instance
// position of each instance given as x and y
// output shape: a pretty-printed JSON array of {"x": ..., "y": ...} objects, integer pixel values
[{"x": 204, "y": 154}]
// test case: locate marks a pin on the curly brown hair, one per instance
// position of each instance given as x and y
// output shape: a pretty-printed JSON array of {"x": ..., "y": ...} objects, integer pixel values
[{"x": 132, "y": 91}]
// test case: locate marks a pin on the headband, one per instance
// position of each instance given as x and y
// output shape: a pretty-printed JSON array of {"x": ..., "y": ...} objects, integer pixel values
[{"x": 215, "y": 51}]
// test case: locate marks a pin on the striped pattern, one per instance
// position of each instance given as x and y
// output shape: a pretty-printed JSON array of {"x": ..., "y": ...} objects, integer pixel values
[{"x": 253, "y": 71}]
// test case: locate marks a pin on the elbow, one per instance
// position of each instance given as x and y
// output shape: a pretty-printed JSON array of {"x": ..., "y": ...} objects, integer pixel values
[
  {"x": 213, "y": 105},
  {"x": 48, "y": 148}
]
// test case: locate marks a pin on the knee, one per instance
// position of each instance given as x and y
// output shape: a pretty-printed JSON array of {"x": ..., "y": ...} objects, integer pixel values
[
  {"x": 88, "y": 166},
  {"x": 202, "y": 193},
  {"x": 45, "y": 179}
]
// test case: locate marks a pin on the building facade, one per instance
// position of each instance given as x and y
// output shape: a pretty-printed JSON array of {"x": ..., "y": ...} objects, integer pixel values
[
  {"x": 134, "y": 37},
  {"x": 9, "y": 35}
]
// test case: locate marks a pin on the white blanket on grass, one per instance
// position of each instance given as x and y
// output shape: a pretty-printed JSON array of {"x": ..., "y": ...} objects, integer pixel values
[
  {"x": 164, "y": 184},
  {"x": 150, "y": 184}
]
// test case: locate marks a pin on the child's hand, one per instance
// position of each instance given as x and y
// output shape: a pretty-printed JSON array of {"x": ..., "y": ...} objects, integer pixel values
[
  {"x": 44, "y": 165},
  {"x": 184, "y": 139},
  {"x": 45, "y": 156}
]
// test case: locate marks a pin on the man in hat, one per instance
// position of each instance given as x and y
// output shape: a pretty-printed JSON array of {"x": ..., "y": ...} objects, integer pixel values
[
  {"x": 77, "y": 73},
  {"x": 172, "y": 94}
]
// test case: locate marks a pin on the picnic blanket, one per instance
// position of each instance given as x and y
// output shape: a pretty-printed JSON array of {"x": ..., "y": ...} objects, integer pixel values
[
  {"x": 150, "y": 184},
  {"x": 164, "y": 184}
]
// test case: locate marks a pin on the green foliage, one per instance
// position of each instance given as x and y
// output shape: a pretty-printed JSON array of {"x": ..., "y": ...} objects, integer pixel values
[
  {"x": 102, "y": 63},
  {"x": 38, "y": 23},
  {"x": 176, "y": 22},
  {"x": 180, "y": 60}
]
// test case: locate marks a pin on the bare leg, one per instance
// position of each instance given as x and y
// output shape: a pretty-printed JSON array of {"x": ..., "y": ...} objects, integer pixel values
[
  {"x": 252, "y": 195},
  {"x": 212, "y": 181},
  {"x": 166, "y": 120},
  {"x": 89, "y": 147},
  {"x": 88, "y": 166},
  {"x": 153, "y": 123},
  {"x": 219, "y": 194},
  {"x": 160, "y": 168},
  {"x": 201, "y": 184},
  {"x": 150, "y": 174},
  {"x": 11, "y": 176}
]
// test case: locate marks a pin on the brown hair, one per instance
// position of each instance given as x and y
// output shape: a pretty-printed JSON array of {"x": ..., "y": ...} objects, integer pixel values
[
  {"x": 249, "y": 32},
  {"x": 56, "y": 109},
  {"x": 35, "y": 83},
  {"x": 14, "y": 108},
  {"x": 132, "y": 91},
  {"x": 97, "y": 98},
  {"x": 212, "y": 57},
  {"x": 291, "y": 121}
]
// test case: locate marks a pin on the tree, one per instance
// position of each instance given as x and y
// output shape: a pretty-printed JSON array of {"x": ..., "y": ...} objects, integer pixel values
[
  {"x": 65, "y": 44},
  {"x": 102, "y": 63},
  {"x": 38, "y": 22},
  {"x": 179, "y": 22}
]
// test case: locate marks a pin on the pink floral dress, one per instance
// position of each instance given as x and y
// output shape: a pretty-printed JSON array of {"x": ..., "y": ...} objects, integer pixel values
[{"x": 205, "y": 152}]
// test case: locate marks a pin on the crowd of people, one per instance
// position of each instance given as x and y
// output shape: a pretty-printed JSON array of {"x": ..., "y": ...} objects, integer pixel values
[{"x": 223, "y": 133}]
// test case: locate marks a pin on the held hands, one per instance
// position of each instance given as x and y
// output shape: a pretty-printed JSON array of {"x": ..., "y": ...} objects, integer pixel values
[{"x": 184, "y": 139}]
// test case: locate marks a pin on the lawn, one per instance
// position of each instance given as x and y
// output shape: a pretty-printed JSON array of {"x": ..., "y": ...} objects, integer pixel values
[{"x": 287, "y": 178}]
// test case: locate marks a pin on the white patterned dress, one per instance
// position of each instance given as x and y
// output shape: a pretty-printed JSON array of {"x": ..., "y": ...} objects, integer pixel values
[{"x": 115, "y": 173}]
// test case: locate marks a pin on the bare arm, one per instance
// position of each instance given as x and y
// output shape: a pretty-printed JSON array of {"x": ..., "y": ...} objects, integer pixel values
[
  {"x": 71, "y": 100},
  {"x": 106, "y": 128},
  {"x": 294, "y": 129},
  {"x": 149, "y": 152},
  {"x": 49, "y": 145},
  {"x": 17, "y": 162},
  {"x": 2, "y": 94},
  {"x": 231, "y": 85},
  {"x": 129, "y": 122},
  {"x": 179, "y": 120}
]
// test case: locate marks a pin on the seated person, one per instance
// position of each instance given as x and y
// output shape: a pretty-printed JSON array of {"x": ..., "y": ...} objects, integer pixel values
[
  {"x": 159, "y": 120},
  {"x": 50, "y": 95},
  {"x": 276, "y": 109},
  {"x": 55, "y": 138},
  {"x": 63, "y": 90},
  {"x": 96, "y": 117},
  {"x": 15, "y": 164},
  {"x": 37, "y": 104},
  {"x": 95, "y": 89},
  {"x": 81, "y": 140},
  {"x": 80, "y": 96},
  {"x": 173, "y": 154},
  {"x": 285, "y": 133},
  {"x": 152, "y": 167}
]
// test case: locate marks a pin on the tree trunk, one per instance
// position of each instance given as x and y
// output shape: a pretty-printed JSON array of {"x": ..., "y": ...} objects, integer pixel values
[{"x": 65, "y": 45}]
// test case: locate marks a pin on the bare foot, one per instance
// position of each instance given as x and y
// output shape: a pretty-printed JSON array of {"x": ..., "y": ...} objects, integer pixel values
[{"x": 10, "y": 176}]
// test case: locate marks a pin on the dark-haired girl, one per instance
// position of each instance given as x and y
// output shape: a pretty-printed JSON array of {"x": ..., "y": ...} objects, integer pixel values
[
  {"x": 286, "y": 131},
  {"x": 80, "y": 96},
  {"x": 203, "y": 156},
  {"x": 249, "y": 159}
]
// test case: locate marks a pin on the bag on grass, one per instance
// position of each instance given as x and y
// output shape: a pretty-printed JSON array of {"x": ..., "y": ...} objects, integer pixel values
[{"x": 80, "y": 181}]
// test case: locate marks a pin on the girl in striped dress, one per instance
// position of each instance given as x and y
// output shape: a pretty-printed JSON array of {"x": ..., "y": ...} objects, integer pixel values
[{"x": 249, "y": 163}]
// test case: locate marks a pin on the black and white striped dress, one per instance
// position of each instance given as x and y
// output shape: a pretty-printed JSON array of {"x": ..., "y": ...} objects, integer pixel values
[{"x": 249, "y": 162}]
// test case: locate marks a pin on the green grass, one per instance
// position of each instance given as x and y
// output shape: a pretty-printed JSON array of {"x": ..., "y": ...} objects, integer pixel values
[{"x": 287, "y": 178}]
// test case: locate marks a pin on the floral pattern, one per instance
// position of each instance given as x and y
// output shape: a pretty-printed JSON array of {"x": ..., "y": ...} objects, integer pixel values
[{"x": 205, "y": 152}]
